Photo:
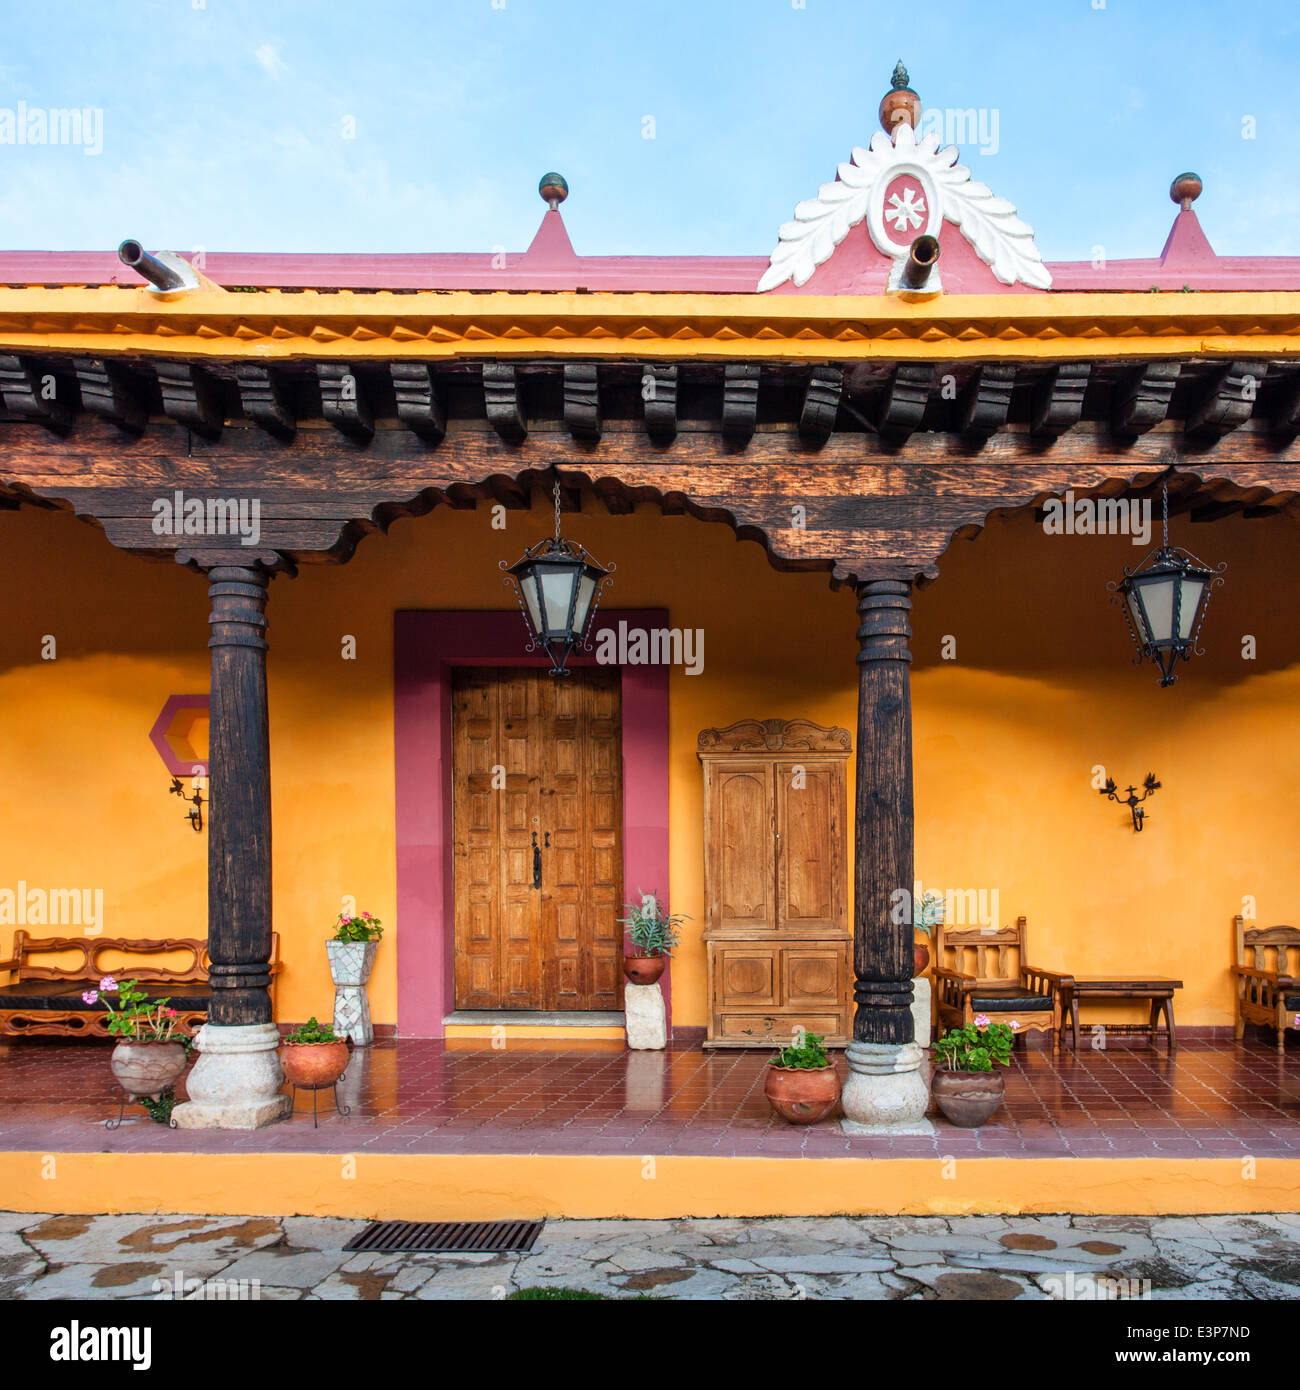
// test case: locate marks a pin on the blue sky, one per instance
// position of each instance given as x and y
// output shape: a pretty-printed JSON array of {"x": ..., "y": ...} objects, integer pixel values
[{"x": 224, "y": 120}]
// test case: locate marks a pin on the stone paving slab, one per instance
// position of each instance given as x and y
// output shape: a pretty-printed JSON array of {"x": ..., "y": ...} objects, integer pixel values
[{"x": 995, "y": 1258}]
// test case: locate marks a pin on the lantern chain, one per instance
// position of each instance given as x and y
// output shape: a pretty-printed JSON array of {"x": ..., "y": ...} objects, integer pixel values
[{"x": 557, "y": 506}]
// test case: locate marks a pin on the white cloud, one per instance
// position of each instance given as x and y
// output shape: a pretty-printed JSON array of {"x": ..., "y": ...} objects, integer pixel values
[{"x": 270, "y": 61}]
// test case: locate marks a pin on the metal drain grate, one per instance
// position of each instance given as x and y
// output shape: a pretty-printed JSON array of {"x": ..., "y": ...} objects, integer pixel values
[{"x": 448, "y": 1237}]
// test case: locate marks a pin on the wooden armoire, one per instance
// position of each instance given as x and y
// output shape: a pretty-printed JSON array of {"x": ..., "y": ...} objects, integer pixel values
[{"x": 775, "y": 882}]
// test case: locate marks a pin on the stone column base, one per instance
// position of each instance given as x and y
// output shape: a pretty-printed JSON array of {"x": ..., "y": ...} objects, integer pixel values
[
  {"x": 235, "y": 1084},
  {"x": 922, "y": 1031},
  {"x": 645, "y": 1019},
  {"x": 885, "y": 1093}
]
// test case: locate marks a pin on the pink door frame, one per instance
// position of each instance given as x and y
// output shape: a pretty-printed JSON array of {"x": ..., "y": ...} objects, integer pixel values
[{"x": 426, "y": 646}]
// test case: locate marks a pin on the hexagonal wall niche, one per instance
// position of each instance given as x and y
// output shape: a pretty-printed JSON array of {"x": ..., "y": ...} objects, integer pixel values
[{"x": 180, "y": 734}]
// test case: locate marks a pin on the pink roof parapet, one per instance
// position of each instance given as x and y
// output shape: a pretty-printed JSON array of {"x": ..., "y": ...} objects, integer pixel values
[{"x": 846, "y": 240}]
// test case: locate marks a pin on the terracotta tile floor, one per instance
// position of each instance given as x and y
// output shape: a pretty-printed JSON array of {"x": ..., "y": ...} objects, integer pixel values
[{"x": 1214, "y": 1099}]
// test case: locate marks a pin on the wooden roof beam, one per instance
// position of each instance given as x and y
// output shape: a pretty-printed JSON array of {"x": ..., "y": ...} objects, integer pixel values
[
  {"x": 615, "y": 498},
  {"x": 263, "y": 399},
  {"x": 659, "y": 395},
  {"x": 905, "y": 403},
  {"x": 191, "y": 397},
  {"x": 510, "y": 494},
  {"x": 108, "y": 392},
  {"x": 1144, "y": 402},
  {"x": 740, "y": 403},
  {"x": 419, "y": 406},
  {"x": 36, "y": 394},
  {"x": 1285, "y": 418},
  {"x": 582, "y": 401},
  {"x": 501, "y": 397},
  {"x": 986, "y": 402},
  {"x": 344, "y": 402},
  {"x": 1226, "y": 400},
  {"x": 1058, "y": 399},
  {"x": 821, "y": 405}
]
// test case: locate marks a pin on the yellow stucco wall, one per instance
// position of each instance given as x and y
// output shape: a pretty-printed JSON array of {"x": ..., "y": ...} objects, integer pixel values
[{"x": 1006, "y": 735}]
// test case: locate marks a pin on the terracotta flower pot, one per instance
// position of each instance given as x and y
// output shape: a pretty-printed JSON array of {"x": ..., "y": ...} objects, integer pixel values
[
  {"x": 801, "y": 1095},
  {"x": 643, "y": 970},
  {"x": 968, "y": 1098},
  {"x": 920, "y": 959},
  {"x": 147, "y": 1068},
  {"x": 313, "y": 1064}
]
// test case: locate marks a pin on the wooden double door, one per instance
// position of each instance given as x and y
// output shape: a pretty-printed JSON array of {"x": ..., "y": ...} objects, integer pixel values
[{"x": 538, "y": 808}]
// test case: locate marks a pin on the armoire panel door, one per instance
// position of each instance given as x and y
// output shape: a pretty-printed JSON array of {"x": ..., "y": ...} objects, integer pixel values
[
  {"x": 742, "y": 827},
  {"x": 809, "y": 859}
]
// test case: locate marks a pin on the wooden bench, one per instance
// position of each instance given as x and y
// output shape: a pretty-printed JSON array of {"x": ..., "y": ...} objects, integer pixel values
[
  {"x": 45, "y": 1000},
  {"x": 1268, "y": 978}
]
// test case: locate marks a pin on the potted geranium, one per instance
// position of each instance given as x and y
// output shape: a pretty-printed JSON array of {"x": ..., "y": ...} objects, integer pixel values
[
  {"x": 352, "y": 952},
  {"x": 966, "y": 1085},
  {"x": 313, "y": 1055},
  {"x": 802, "y": 1083},
  {"x": 151, "y": 1054},
  {"x": 652, "y": 938},
  {"x": 929, "y": 913}
]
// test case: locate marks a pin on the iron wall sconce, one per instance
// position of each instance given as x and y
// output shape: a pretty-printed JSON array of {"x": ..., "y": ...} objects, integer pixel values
[
  {"x": 195, "y": 814},
  {"x": 1133, "y": 801}
]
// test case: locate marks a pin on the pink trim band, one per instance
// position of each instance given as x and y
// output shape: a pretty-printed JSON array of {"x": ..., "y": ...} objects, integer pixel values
[{"x": 425, "y": 648}]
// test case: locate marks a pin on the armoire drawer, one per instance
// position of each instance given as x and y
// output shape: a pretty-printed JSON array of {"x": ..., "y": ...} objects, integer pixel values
[{"x": 776, "y": 1028}]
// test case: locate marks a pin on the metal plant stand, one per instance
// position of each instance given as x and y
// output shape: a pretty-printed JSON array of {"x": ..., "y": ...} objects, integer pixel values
[
  {"x": 313, "y": 1087},
  {"x": 127, "y": 1098}
]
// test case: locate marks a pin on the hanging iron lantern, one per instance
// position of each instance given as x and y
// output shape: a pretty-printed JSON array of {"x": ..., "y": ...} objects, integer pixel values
[
  {"x": 1164, "y": 601},
  {"x": 558, "y": 586}
]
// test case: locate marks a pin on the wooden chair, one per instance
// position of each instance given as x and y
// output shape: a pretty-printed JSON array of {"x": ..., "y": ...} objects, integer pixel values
[
  {"x": 1007, "y": 990},
  {"x": 1268, "y": 978}
]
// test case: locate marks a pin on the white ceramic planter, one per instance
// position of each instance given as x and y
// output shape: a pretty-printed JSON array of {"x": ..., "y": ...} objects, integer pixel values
[
  {"x": 350, "y": 965},
  {"x": 147, "y": 1068}
]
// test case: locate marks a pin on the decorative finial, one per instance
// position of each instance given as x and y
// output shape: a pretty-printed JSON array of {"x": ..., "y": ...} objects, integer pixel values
[
  {"x": 553, "y": 189},
  {"x": 1185, "y": 190},
  {"x": 900, "y": 103}
]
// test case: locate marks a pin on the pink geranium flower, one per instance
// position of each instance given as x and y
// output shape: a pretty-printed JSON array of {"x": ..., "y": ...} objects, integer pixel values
[
  {"x": 108, "y": 983},
  {"x": 1015, "y": 1027},
  {"x": 91, "y": 996},
  {"x": 981, "y": 1020}
]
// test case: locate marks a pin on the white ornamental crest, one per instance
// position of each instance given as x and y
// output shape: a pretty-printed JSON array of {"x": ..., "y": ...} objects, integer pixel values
[{"x": 904, "y": 188}]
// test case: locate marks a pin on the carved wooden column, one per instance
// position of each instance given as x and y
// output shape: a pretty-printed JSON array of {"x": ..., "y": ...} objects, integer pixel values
[
  {"x": 236, "y": 1082},
  {"x": 886, "y": 1090}
]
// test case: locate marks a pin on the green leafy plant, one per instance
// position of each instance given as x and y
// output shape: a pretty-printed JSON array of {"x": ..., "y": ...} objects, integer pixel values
[
  {"x": 313, "y": 1032},
  {"x": 929, "y": 912},
  {"x": 976, "y": 1046},
  {"x": 806, "y": 1054},
  {"x": 357, "y": 926},
  {"x": 552, "y": 1294},
  {"x": 650, "y": 930},
  {"x": 161, "y": 1109},
  {"x": 137, "y": 1017}
]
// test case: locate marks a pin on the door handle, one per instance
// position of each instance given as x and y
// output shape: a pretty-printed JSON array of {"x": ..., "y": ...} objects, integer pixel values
[{"x": 537, "y": 862}]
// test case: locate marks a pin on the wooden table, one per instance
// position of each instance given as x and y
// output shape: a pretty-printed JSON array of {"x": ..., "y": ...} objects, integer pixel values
[{"x": 1156, "y": 989}]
